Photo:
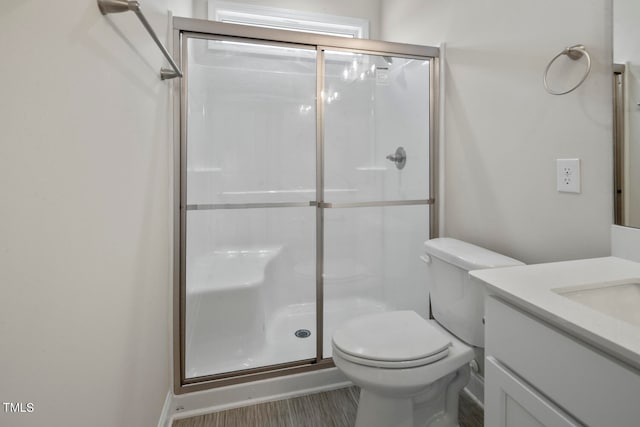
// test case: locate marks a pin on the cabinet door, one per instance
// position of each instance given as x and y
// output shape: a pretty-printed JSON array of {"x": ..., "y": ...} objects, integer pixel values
[{"x": 510, "y": 402}]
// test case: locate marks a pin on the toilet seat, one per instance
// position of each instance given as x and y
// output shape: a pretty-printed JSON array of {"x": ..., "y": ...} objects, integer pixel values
[
  {"x": 403, "y": 364},
  {"x": 394, "y": 339}
]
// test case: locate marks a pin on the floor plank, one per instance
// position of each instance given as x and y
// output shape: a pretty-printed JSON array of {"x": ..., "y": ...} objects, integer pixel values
[
  {"x": 330, "y": 409},
  {"x": 470, "y": 414},
  {"x": 335, "y": 408}
]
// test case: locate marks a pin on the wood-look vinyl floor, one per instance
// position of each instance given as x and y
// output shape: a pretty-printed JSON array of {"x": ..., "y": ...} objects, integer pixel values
[{"x": 335, "y": 408}]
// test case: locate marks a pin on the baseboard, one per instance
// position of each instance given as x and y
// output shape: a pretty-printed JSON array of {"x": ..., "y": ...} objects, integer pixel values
[
  {"x": 238, "y": 395},
  {"x": 223, "y": 398},
  {"x": 165, "y": 416},
  {"x": 475, "y": 389}
]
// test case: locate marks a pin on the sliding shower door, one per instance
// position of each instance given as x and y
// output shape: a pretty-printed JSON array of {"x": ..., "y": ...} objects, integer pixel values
[
  {"x": 376, "y": 185},
  {"x": 305, "y": 195},
  {"x": 250, "y": 177}
]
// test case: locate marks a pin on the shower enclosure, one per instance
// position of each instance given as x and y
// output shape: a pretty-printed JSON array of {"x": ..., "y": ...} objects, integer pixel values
[{"x": 304, "y": 194}]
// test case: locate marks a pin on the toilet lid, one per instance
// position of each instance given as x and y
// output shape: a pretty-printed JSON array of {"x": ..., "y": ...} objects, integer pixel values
[{"x": 394, "y": 336}]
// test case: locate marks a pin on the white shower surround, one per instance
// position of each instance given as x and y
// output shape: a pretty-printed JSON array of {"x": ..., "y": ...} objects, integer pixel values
[{"x": 371, "y": 254}]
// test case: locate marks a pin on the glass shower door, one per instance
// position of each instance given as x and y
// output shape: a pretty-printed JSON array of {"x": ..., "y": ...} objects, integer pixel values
[
  {"x": 376, "y": 185},
  {"x": 250, "y": 170}
]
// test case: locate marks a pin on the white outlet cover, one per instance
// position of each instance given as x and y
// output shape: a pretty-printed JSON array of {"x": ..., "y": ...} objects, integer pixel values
[{"x": 568, "y": 175}]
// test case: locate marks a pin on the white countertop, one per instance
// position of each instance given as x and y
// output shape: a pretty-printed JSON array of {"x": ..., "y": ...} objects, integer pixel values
[{"x": 530, "y": 288}]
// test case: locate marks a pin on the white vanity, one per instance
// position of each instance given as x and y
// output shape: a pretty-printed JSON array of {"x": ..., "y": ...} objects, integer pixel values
[{"x": 563, "y": 344}]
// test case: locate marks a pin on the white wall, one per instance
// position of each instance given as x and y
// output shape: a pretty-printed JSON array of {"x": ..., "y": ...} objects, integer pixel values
[
  {"x": 86, "y": 219},
  {"x": 504, "y": 132}
]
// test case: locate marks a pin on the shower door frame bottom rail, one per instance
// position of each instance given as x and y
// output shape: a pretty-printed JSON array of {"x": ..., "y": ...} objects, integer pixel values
[
  {"x": 183, "y": 28},
  {"x": 206, "y": 382}
]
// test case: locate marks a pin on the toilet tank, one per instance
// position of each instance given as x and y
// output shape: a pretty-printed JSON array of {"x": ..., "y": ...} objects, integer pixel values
[{"x": 457, "y": 301}]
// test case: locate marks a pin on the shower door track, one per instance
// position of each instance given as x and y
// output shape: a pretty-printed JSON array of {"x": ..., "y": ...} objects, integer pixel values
[{"x": 184, "y": 28}]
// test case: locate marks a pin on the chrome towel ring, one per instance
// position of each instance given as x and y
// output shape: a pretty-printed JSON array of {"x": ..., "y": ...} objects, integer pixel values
[{"x": 574, "y": 52}]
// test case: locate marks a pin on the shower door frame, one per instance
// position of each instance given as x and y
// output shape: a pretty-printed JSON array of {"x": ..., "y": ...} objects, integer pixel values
[{"x": 184, "y": 28}]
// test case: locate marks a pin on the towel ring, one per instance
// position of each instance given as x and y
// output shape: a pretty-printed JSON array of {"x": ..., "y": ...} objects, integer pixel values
[{"x": 574, "y": 52}]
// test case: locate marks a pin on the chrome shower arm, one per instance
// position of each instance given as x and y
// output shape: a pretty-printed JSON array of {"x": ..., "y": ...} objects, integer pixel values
[{"x": 117, "y": 6}]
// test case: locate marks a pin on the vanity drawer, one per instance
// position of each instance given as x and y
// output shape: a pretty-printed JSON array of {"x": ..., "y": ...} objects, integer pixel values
[{"x": 591, "y": 386}]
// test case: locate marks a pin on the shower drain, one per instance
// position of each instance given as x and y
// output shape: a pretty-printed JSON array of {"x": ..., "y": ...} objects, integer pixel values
[{"x": 303, "y": 333}]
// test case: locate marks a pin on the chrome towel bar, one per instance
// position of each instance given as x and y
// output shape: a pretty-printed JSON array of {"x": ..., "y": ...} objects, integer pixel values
[{"x": 116, "y": 6}]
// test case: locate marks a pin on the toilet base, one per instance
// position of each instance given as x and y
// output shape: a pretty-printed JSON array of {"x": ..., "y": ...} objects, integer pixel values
[
  {"x": 379, "y": 411},
  {"x": 437, "y": 406}
]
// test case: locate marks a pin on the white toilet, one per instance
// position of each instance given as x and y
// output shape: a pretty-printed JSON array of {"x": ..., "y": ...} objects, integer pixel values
[{"x": 411, "y": 370}]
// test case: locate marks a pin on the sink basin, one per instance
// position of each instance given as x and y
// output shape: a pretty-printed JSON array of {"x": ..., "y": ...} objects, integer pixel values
[{"x": 619, "y": 299}]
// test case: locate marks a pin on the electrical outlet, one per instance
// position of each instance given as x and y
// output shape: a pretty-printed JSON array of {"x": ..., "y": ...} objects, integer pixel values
[{"x": 568, "y": 175}]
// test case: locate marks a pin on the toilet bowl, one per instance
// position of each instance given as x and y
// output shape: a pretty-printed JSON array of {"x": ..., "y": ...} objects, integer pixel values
[
  {"x": 411, "y": 370},
  {"x": 394, "y": 357}
]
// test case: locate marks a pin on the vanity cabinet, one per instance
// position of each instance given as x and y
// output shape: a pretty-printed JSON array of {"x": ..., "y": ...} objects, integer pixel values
[
  {"x": 537, "y": 375},
  {"x": 511, "y": 402}
]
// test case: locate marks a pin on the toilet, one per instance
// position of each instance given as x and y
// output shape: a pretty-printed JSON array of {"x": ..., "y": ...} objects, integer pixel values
[{"x": 410, "y": 370}]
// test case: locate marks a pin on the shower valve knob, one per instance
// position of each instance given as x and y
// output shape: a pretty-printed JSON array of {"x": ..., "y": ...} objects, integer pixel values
[{"x": 399, "y": 157}]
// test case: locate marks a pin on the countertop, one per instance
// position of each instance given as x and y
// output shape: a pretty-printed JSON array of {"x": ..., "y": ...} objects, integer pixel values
[{"x": 530, "y": 287}]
